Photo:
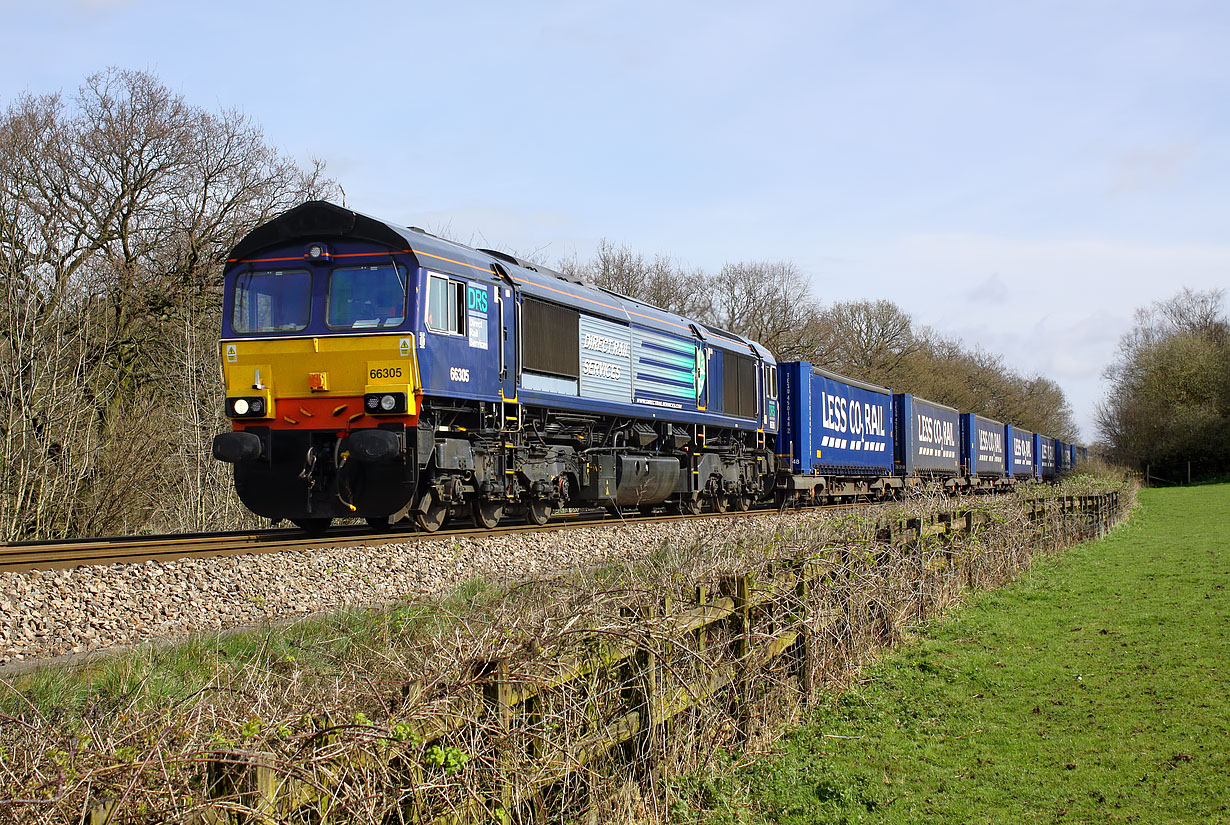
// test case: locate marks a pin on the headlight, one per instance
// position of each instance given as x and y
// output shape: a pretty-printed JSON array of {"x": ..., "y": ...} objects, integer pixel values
[
  {"x": 379, "y": 403},
  {"x": 250, "y": 407}
]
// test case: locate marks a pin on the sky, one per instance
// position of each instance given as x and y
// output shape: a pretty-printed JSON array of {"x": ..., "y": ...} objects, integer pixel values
[{"x": 1019, "y": 175}]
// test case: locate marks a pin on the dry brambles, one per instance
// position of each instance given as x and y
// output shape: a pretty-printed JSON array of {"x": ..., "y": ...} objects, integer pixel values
[{"x": 553, "y": 697}]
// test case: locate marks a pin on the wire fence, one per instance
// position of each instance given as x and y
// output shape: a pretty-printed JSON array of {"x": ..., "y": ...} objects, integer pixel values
[{"x": 1185, "y": 472}]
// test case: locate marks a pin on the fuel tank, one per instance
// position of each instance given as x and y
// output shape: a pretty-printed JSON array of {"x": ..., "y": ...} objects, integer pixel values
[{"x": 644, "y": 479}]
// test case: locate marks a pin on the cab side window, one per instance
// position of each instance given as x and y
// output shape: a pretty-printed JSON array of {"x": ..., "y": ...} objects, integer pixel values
[{"x": 446, "y": 305}]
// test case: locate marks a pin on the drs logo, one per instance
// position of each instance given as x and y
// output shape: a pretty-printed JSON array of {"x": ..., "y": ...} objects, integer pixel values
[{"x": 476, "y": 298}]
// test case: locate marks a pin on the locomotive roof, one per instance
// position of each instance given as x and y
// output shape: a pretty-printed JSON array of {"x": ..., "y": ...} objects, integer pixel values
[{"x": 321, "y": 219}]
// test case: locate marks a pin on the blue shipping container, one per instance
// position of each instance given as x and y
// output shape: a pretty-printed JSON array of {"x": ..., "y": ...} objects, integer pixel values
[
  {"x": 833, "y": 425},
  {"x": 926, "y": 437},
  {"x": 1044, "y": 449},
  {"x": 1021, "y": 452},
  {"x": 1063, "y": 456},
  {"x": 982, "y": 446}
]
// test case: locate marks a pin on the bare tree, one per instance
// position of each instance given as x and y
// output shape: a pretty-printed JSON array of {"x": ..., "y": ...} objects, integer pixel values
[
  {"x": 116, "y": 210},
  {"x": 869, "y": 339},
  {"x": 658, "y": 281},
  {"x": 769, "y": 302}
]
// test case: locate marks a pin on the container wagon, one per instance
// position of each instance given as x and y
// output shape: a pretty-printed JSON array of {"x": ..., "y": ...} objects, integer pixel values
[
  {"x": 836, "y": 436},
  {"x": 983, "y": 458},
  {"x": 1063, "y": 457},
  {"x": 1020, "y": 459},
  {"x": 1044, "y": 449},
  {"x": 926, "y": 442}
]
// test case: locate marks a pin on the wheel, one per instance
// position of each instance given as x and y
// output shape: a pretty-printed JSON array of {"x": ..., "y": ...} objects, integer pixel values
[
  {"x": 431, "y": 513},
  {"x": 741, "y": 503},
  {"x": 538, "y": 512},
  {"x": 720, "y": 503},
  {"x": 378, "y": 523},
  {"x": 487, "y": 514},
  {"x": 312, "y": 526},
  {"x": 690, "y": 506}
]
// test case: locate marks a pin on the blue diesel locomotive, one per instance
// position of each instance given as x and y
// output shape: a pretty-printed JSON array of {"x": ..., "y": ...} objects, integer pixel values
[{"x": 381, "y": 372}]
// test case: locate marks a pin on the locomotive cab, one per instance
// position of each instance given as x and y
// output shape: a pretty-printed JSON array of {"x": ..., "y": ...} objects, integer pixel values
[{"x": 320, "y": 369}]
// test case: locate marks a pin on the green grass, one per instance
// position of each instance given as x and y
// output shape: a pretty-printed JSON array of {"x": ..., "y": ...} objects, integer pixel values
[{"x": 1095, "y": 689}]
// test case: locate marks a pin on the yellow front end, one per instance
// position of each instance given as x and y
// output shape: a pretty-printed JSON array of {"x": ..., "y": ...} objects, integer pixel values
[{"x": 326, "y": 382}]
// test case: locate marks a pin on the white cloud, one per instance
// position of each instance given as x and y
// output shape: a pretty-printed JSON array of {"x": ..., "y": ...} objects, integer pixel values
[
  {"x": 1143, "y": 171},
  {"x": 991, "y": 291}
]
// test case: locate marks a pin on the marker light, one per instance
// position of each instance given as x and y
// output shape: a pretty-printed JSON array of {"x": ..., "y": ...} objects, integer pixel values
[
  {"x": 388, "y": 402},
  {"x": 241, "y": 406},
  {"x": 317, "y": 253}
]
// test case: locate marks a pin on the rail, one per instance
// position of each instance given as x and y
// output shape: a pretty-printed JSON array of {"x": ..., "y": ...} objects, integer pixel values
[{"x": 50, "y": 555}]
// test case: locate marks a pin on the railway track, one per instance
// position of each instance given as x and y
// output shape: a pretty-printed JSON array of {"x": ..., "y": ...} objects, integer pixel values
[{"x": 67, "y": 553}]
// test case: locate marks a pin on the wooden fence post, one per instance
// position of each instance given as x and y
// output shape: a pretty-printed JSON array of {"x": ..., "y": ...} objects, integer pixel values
[
  {"x": 497, "y": 698},
  {"x": 638, "y": 675},
  {"x": 806, "y": 643},
  {"x": 739, "y": 590},
  {"x": 702, "y": 632},
  {"x": 102, "y": 813}
]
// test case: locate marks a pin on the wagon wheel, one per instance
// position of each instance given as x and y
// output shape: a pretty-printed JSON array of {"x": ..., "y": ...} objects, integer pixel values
[
  {"x": 431, "y": 513},
  {"x": 487, "y": 514},
  {"x": 690, "y": 506},
  {"x": 377, "y": 523},
  {"x": 538, "y": 512},
  {"x": 740, "y": 502},
  {"x": 720, "y": 503},
  {"x": 312, "y": 526}
]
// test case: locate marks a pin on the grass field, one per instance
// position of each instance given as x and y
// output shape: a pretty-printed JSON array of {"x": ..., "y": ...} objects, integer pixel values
[{"x": 1095, "y": 689}]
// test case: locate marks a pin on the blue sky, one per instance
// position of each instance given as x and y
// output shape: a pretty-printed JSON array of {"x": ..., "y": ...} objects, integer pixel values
[{"x": 1020, "y": 175}]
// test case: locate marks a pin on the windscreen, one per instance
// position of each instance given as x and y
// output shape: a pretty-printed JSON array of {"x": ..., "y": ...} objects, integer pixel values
[
  {"x": 366, "y": 297},
  {"x": 272, "y": 301}
]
